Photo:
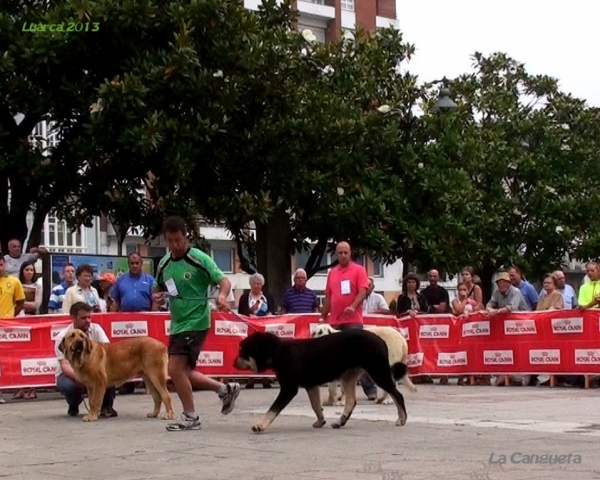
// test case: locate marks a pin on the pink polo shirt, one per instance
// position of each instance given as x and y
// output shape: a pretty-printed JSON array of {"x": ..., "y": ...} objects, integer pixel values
[{"x": 342, "y": 288}]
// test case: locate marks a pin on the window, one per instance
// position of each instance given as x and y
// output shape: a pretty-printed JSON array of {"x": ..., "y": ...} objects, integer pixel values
[
  {"x": 302, "y": 259},
  {"x": 377, "y": 268},
  {"x": 223, "y": 257},
  {"x": 348, "y": 5},
  {"x": 157, "y": 252},
  {"x": 59, "y": 238},
  {"x": 320, "y": 296},
  {"x": 360, "y": 261},
  {"x": 129, "y": 249}
]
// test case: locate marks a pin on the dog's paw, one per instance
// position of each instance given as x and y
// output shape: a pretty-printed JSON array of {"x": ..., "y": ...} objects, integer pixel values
[
  {"x": 319, "y": 423},
  {"x": 151, "y": 415},
  {"x": 168, "y": 416},
  {"x": 327, "y": 403},
  {"x": 89, "y": 418},
  {"x": 402, "y": 420},
  {"x": 336, "y": 425},
  {"x": 258, "y": 428},
  {"x": 387, "y": 401},
  {"x": 339, "y": 404}
]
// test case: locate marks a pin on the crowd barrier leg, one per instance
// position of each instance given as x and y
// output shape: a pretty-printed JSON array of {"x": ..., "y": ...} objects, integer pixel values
[
  {"x": 587, "y": 380},
  {"x": 552, "y": 381}
]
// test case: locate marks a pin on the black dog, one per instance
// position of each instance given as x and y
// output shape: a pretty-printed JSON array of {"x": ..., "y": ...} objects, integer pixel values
[{"x": 311, "y": 362}]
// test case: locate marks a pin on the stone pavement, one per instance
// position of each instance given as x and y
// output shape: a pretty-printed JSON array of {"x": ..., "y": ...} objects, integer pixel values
[{"x": 451, "y": 433}]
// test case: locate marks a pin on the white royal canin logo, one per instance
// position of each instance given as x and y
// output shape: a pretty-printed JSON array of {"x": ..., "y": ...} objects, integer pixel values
[
  {"x": 415, "y": 359},
  {"x": 55, "y": 330},
  {"x": 15, "y": 334},
  {"x": 210, "y": 359},
  {"x": 544, "y": 357},
  {"x": 434, "y": 331},
  {"x": 313, "y": 327},
  {"x": 587, "y": 356},
  {"x": 498, "y": 357},
  {"x": 567, "y": 325},
  {"x": 519, "y": 327},
  {"x": 231, "y": 329},
  {"x": 33, "y": 367},
  {"x": 130, "y": 329},
  {"x": 476, "y": 329},
  {"x": 455, "y": 359},
  {"x": 283, "y": 330},
  {"x": 167, "y": 327}
]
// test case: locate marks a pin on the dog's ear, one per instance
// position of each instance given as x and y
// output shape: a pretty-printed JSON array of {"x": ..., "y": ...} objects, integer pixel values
[
  {"x": 61, "y": 346},
  {"x": 87, "y": 345}
]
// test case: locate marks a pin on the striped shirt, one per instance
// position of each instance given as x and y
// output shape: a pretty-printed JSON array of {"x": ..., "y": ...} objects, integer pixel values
[
  {"x": 299, "y": 301},
  {"x": 57, "y": 296}
]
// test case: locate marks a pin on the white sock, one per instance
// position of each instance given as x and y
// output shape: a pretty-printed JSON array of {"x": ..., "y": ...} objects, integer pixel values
[{"x": 191, "y": 414}]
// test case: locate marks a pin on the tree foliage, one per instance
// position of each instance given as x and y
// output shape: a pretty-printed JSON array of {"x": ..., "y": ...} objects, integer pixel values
[
  {"x": 230, "y": 115},
  {"x": 531, "y": 152}
]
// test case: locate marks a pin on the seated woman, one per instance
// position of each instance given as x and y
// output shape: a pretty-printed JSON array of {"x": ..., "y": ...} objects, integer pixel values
[
  {"x": 259, "y": 304},
  {"x": 410, "y": 301},
  {"x": 553, "y": 299}
]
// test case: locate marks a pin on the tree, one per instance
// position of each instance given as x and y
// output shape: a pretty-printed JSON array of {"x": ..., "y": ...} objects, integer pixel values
[
  {"x": 531, "y": 152},
  {"x": 53, "y": 76},
  {"x": 244, "y": 120}
]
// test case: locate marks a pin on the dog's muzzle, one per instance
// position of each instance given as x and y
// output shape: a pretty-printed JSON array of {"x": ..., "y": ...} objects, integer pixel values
[
  {"x": 245, "y": 364},
  {"x": 77, "y": 348}
]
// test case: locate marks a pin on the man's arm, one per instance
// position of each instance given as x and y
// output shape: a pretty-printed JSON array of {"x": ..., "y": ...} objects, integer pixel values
[
  {"x": 443, "y": 306},
  {"x": 493, "y": 303},
  {"x": 115, "y": 294},
  {"x": 19, "y": 297},
  {"x": 363, "y": 287},
  {"x": 533, "y": 297},
  {"x": 67, "y": 369},
  {"x": 326, "y": 308},
  {"x": 583, "y": 298}
]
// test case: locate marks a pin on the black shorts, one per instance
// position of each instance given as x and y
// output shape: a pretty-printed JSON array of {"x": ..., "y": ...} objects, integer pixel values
[{"x": 187, "y": 344}]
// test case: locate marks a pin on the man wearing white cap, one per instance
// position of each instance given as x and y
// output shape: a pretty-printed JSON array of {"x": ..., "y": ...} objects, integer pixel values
[{"x": 505, "y": 299}]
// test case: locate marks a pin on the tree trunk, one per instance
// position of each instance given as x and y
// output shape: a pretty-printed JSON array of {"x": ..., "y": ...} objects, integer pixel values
[
  {"x": 35, "y": 235},
  {"x": 487, "y": 274},
  {"x": 273, "y": 253}
]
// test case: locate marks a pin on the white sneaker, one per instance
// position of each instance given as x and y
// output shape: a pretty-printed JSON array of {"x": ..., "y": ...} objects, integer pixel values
[{"x": 185, "y": 423}]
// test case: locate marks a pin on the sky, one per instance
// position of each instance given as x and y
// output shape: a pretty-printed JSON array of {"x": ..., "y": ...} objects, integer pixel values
[{"x": 551, "y": 37}]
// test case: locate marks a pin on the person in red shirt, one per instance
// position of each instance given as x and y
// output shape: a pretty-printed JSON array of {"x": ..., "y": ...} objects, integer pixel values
[{"x": 346, "y": 289}]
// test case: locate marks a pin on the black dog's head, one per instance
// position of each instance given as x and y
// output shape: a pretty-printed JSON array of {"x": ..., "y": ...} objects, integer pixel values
[
  {"x": 74, "y": 344},
  {"x": 256, "y": 352}
]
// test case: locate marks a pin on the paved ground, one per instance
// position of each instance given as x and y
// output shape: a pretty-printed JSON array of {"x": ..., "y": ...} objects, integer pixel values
[{"x": 451, "y": 433}]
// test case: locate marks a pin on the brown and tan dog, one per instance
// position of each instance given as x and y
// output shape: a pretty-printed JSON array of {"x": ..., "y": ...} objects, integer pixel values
[{"x": 102, "y": 365}]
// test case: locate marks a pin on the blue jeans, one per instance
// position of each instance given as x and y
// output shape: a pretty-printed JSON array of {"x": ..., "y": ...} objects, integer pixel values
[
  {"x": 368, "y": 385},
  {"x": 74, "y": 393}
]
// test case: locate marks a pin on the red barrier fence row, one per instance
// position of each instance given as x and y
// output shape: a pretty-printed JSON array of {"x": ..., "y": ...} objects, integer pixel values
[{"x": 550, "y": 342}]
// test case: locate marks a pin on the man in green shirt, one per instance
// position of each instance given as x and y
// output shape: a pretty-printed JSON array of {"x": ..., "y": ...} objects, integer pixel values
[{"x": 184, "y": 276}]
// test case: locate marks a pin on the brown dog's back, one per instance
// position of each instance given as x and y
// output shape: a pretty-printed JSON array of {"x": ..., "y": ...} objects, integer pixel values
[{"x": 134, "y": 356}]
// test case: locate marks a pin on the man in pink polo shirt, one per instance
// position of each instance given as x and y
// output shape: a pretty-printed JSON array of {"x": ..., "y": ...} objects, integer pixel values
[{"x": 347, "y": 286}]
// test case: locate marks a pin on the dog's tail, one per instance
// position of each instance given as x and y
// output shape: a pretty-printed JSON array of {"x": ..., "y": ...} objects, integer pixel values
[{"x": 400, "y": 373}]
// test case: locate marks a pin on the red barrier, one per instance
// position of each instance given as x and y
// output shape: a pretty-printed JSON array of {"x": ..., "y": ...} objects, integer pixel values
[{"x": 551, "y": 342}]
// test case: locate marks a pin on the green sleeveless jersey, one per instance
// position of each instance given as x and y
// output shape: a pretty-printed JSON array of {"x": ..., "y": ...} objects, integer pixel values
[{"x": 186, "y": 281}]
